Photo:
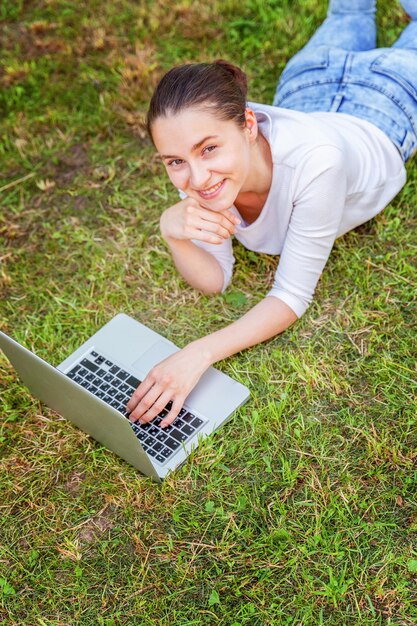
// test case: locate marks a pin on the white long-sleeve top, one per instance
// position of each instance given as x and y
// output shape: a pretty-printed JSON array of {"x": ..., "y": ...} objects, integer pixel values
[{"x": 331, "y": 173}]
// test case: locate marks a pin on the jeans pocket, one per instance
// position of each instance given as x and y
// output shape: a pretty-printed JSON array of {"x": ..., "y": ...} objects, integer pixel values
[
  {"x": 313, "y": 59},
  {"x": 400, "y": 66}
]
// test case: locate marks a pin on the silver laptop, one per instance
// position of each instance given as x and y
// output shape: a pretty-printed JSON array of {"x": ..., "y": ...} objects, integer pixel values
[{"x": 93, "y": 385}]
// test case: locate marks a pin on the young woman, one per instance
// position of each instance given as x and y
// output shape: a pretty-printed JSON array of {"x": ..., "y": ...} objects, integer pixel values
[{"x": 286, "y": 179}]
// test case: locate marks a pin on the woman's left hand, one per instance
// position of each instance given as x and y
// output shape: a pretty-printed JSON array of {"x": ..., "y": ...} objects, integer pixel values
[{"x": 170, "y": 380}]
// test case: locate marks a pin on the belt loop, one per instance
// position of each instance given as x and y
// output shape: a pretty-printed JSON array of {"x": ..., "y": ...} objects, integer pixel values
[{"x": 337, "y": 101}]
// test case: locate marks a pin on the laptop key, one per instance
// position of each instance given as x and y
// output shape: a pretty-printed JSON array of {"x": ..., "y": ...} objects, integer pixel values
[
  {"x": 85, "y": 384},
  {"x": 101, "y": 373},
  {"x": 172, "y": 443},
  {"x": 109, "y": 363},
  {"x": 133, "y": 382},
  {"x": 188, "y": 430},
  {"x": 177, "y": 434},
  {"x": 78, "y": 379},
  {"x": 151, "y": 452},
  {"x": 122, "y": 375},
  {"x": 90, "y": 366},
  {"x": 123, "y": 387},
  {"x": 160, "y": 458},
  {"x": 166, "y": 452},
  {"x": 161, "y": 436},
  {"x": 99, "y": 360},
  {"x": 94, "y": 354},
  {"x": 158, "y": 447},
  {"x": 114, "y": 369},
  {"x": 196, "y": 422},
  {"x": 149, "y": 441}
]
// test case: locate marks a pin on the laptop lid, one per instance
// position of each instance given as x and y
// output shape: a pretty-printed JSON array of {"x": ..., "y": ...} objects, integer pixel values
[{"x": 89, "y": 413}]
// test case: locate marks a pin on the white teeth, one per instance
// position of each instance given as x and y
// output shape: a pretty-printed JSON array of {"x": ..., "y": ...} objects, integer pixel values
[{"x": 212, "y": 189}]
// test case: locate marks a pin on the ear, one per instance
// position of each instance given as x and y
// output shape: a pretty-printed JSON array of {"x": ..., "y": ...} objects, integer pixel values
[{"x": 251, "y": 124}]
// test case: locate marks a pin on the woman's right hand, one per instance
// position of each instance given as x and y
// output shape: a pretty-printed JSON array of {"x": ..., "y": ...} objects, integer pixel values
[{"x": 189, "y": 220}]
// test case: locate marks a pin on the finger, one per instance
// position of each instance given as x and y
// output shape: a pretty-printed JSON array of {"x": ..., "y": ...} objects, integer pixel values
[
  {"x": 202, "y": 235},
  {"x": 213, "y": 224},
  {"x": 214, "y": 228},
  {"x": 146, "y": 403},
  {"x": 232, "y": 217},
  {"x": 228, "y": 220},
  {"x": 139, "y": 393},
  {"x": 176, "y": 408},
  {"x": 157, "y": 407}
]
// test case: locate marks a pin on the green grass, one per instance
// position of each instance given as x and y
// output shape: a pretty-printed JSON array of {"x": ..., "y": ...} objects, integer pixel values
[{"x": 302, "y": 509}]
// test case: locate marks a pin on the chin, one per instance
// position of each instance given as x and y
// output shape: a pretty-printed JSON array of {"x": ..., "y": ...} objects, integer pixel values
[{"x": 221, "y": 204}]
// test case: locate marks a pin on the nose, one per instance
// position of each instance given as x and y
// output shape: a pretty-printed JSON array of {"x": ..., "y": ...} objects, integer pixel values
[{"x": 199, "y": 176}]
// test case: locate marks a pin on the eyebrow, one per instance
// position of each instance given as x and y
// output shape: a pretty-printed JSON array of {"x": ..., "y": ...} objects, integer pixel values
[{"x": 194, "y": 148}]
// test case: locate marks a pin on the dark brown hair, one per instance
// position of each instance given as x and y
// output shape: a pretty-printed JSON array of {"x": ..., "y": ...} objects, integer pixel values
[{"x": 219, "y": 87}]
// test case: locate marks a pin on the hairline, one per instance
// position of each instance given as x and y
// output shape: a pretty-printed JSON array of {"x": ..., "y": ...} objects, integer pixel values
[{"x": 205, "y": 107}]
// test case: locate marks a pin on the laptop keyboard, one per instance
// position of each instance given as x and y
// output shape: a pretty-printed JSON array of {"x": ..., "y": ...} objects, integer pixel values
[{"x": 115, "y": 386}]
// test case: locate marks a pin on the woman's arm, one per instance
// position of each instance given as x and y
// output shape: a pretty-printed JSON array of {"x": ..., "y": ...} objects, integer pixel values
[
  {"x": 187, "y": 221},
  {"x": 174, "y": 378},
  {"x": 197, "y": 266}
]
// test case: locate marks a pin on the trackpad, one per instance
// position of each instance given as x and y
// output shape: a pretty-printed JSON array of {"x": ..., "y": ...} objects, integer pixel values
[{"x": 155, "y": 354}]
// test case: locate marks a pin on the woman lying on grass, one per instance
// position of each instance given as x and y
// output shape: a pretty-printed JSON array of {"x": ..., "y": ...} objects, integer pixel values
[{"x": 286, "y": 179}]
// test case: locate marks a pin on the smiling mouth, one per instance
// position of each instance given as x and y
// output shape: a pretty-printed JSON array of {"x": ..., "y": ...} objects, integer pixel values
[{"x": 207, "y": 193}]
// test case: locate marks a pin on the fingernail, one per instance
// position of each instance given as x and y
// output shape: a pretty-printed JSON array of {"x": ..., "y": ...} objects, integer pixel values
[{"x": 163, "y": 424}]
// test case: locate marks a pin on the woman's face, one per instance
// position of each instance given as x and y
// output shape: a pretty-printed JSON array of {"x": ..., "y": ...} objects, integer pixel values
[{"x": 207, "y": 158}]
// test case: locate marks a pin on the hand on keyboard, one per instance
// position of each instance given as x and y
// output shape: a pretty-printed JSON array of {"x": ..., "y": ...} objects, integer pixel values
[{"x": 169, "y": 381}]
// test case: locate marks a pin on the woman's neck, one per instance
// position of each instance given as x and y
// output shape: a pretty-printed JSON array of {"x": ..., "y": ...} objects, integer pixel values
[{"x": 250, "y": 202}]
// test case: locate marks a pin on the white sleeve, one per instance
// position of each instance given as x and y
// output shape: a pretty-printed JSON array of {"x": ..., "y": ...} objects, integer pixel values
[
  {"x": 222, "y": 252},
  {"x": 319, "y": 198}
]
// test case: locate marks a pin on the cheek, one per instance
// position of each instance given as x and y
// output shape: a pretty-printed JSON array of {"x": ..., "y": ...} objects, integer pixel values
[
  {"x": 229, "y": 163},
  {"x": 178, "y": 177},
  {"x": 239, "y": 156}
]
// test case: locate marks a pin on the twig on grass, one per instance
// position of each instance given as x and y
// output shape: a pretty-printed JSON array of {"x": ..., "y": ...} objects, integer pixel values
[
  {"x": 384, "y": 269},
  {"x": 16, "y": 182}
]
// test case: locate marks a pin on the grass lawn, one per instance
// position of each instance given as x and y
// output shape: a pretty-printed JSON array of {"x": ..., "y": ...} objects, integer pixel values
[{"x": 302, "y": 510}]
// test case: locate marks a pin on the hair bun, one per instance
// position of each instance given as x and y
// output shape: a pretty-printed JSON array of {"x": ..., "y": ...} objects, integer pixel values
[{"x": 238, "y": 75}]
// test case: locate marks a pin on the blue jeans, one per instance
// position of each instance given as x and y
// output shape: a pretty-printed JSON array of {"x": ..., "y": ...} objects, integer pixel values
[{"x": 340, "y": 70}]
